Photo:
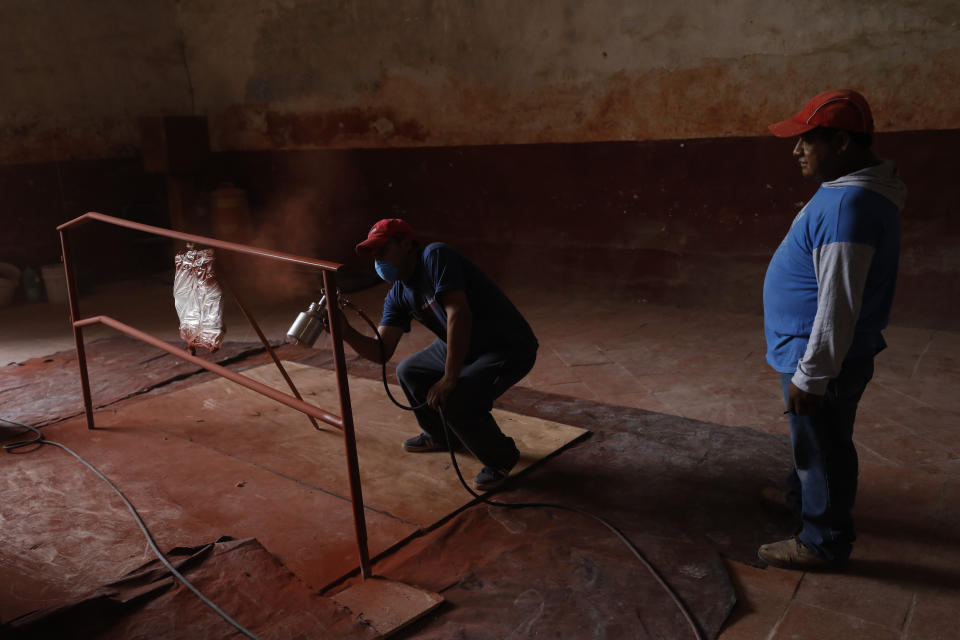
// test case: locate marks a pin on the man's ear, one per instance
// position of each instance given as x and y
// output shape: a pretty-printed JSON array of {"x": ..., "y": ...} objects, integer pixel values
[
  {"x": 406, "y": 246},
  {"x": 841, "y": 141}
]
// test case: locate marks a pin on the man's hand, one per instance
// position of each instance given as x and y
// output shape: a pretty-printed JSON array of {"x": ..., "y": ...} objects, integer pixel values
[
  {"x": 802, "y": 403},
  {"x": 438, "y": 393},
  {"x": 337, "y": 317}
]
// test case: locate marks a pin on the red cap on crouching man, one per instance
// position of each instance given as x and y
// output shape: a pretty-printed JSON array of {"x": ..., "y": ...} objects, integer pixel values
[{"x": 382, "y": 232}]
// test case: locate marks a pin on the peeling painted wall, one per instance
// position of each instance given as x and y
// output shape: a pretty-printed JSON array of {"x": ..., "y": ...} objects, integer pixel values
[
  {"x": 659, "y": 178},
  {"x": 423, "y": 72},
  {"x": 289, "y": 74},
  {"x": 76, "y": 75}
]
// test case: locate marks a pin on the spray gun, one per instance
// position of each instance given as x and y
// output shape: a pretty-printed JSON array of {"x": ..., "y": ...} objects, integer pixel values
[{"x": 310, "y": 323}]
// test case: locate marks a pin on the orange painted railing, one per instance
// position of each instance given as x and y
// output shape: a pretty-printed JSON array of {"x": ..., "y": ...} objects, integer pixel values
[{"x": 344, "y": 421}]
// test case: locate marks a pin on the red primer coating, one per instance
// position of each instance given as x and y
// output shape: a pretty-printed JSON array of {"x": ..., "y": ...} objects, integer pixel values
[
  {"x": 329, "y": 268},
  {"x": 210, "y": 242}
]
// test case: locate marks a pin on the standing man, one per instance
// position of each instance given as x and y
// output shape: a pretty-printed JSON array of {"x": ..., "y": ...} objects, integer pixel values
[
  {"x": 826, "y": 298},
  {"x": 483, "y": 346}
]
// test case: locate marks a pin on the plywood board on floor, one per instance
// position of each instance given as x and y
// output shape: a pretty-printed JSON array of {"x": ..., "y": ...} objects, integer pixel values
[
  {"x": 387, "y": 605},
  {"x": 418, "y": 488}
]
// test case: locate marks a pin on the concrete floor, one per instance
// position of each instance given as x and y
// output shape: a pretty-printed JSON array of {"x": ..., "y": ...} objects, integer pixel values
[{"x": 905, "y": 583}]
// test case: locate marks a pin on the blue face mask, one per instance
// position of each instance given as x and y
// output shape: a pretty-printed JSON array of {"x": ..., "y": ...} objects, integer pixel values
[{"x": 386, "y": 270}]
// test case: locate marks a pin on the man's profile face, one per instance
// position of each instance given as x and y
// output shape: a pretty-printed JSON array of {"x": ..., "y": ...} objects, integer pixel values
[
  {"x": 384, "y": 251},
  {"x": 398, "y": 251},
  {"x": 394, "y": 250},
  {"x": 818, "y": 156}
]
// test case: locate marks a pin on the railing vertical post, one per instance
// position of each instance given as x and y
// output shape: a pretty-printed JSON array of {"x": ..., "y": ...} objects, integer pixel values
[
  {"x": 73, "y": 298},
  {"x": 349, "y": 437}
]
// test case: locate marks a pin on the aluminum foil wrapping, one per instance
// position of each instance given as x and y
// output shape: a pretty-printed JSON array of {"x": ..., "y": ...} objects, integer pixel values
[{"x": 199, "y": 299}]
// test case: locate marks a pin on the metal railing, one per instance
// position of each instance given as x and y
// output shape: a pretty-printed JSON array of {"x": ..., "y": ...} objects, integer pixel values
[{"x": 343, "y": 422}]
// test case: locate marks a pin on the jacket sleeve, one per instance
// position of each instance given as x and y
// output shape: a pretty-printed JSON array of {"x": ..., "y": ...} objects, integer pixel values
[{"x": 841, "y": 269}]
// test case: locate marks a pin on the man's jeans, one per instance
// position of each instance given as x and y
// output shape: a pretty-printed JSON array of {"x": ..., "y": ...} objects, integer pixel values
[
  {"x": 468, "y": 407},
  {"x": 824, "y": 480}
]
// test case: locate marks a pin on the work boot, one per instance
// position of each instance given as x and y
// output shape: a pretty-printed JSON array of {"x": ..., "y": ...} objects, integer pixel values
[
  {"x": 490, "y": 478},
  {"x": 422, "y": 444},
  {"x": 793, "y": 554}
]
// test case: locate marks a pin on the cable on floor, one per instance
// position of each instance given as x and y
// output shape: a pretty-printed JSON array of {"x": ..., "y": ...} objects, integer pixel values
[
  {"x": 447, "y": 428},
  {"x": 41, "y": 440}
]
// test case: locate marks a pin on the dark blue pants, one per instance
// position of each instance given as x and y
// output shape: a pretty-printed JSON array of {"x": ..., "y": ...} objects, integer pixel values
[
  {"x": 824, "y": 481},
  {"x": 468, "y": 407}
]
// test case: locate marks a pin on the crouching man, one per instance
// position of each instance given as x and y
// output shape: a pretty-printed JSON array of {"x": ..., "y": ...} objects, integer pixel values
[{"x": 483, "y": 347}]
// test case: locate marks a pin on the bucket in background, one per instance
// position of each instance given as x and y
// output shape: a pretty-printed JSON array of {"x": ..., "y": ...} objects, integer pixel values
[{"x": 55, "y": 282}]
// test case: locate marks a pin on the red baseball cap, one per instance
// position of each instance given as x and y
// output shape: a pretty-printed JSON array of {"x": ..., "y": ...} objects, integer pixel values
[
  {"x": 384, "y": 231},
  {"x": 838, "y": 108}
]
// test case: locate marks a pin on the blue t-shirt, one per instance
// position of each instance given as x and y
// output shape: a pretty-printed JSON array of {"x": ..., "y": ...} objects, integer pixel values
[
  {"x": 848, "y": 214},
  {"x": 496, "y": 326}
]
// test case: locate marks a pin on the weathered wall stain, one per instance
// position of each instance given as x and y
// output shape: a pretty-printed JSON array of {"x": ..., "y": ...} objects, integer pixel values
[
  {"x": 708, "y": 101},
  {"x": 659, "y": 179},
  {"x": 76, "y": 75},
  {"x": 366, "y": 73},
  {"x": 264, "y": 128}
]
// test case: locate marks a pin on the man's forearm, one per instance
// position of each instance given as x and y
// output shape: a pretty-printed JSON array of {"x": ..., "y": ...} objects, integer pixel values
[
  {"x": 459, "y": 325},
  {"x": 842, "y": 269},
  {"x": 367, "y": 347}
]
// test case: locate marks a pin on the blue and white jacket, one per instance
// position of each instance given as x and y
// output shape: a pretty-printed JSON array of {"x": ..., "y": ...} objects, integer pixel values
[{"x": 829, "y": 287}]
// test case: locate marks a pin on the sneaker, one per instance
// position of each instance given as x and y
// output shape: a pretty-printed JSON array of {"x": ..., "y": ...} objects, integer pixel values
[
  {"x": 490, "y": 478},
  {"x": 793, "y": 554},
  {"x": 422, "y": 444}
]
